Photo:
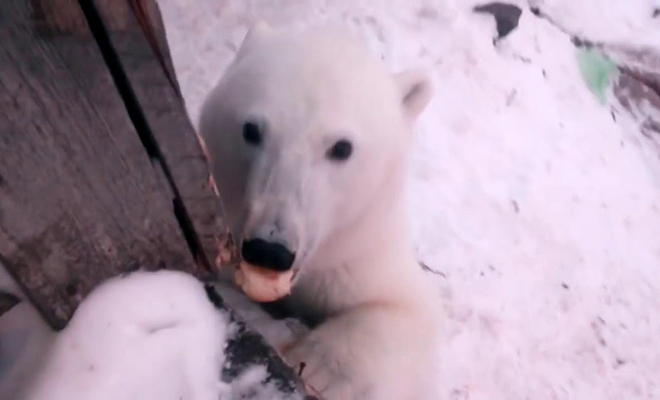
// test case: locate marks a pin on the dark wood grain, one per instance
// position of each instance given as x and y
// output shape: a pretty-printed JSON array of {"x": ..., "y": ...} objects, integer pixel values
[
  {"x": 140, "y": 53},
  {"x": 54, "y": 17},
  {"x": 148, "y": 16},
  {"x": 66, "y": 16},
  {"x": 80, "y": 199}
]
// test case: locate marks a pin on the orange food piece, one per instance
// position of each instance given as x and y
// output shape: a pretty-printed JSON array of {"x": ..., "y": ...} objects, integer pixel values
[{"x": 261, "y": 284}]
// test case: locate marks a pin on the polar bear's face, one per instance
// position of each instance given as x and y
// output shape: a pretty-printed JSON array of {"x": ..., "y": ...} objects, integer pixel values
[{"x": 305, "y": 135}]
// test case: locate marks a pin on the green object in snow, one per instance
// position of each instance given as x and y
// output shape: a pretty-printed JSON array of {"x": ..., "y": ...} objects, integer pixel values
[{"x": 597, "y": 71}]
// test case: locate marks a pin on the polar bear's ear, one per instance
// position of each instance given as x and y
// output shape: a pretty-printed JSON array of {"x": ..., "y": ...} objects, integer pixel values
[
  {"x": 258, "y": 30},
  {"x": 416, "y": 90}
]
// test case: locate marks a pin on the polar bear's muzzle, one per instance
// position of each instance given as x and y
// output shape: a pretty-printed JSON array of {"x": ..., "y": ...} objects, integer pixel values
[{"x": 271, "y": 255}]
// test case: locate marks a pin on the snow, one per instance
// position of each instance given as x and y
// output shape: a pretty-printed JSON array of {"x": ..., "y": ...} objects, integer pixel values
[
  {"x": 538, "y": 211},
  {"x": 145, "y": 336}
]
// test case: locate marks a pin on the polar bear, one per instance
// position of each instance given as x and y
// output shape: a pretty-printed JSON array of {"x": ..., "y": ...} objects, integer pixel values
[{"x": 308, "y": 138}]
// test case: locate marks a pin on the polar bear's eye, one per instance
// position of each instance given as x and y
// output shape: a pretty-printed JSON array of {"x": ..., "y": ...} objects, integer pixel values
[
  {"x": 340, "y": 151},
  {"x": 252, "y": 134}
]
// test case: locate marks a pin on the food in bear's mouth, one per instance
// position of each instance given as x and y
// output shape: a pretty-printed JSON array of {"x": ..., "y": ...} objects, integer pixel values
[{"x": 261, "y": 284}]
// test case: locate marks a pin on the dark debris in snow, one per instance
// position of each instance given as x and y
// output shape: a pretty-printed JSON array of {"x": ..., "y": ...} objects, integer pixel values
[
  {"x": 431, "y": 270},
  {"x": 247, "y": 348},
  {"x": 506, "y": 16}
]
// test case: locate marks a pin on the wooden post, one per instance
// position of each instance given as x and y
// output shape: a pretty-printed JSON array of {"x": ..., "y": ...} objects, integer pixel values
[
  {"x": 136, "y": 50},
  {"x": 100, "y": 170}
]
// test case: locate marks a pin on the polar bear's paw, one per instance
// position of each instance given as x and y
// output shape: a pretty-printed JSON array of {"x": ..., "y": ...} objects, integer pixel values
[{"x": 326, "y": 375}]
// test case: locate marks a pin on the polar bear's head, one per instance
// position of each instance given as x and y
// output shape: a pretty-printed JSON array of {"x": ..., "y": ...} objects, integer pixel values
[{"x": 305, "y": 134}]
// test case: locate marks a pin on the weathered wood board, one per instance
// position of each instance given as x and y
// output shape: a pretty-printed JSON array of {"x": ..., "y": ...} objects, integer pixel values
[
  {"x": 93, "y": 182},
  {"x": 136, "y": 49},
  {"x": 80, "y": 200}
]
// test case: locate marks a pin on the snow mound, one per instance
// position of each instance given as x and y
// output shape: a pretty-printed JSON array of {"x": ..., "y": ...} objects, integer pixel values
[{"x": 147, "y": 335}]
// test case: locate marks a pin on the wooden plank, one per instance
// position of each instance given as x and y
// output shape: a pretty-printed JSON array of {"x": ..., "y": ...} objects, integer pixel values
[
  {"x": 150, "y": 20},
  {"x": 80, "y": 200},
  {"x": 140, "y": 52},
  {"x": 66, "y": 16}
]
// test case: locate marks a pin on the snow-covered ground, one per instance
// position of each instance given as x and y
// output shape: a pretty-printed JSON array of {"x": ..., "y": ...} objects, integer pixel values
[{"x": 536, "y": 206}]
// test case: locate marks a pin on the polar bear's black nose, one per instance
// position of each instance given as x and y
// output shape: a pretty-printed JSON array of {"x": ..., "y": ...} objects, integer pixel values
[{"x": 268, "y": 255}]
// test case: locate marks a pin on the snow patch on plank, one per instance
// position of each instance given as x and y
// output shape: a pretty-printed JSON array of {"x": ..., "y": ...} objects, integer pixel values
[{"x": 144, "y": 336}]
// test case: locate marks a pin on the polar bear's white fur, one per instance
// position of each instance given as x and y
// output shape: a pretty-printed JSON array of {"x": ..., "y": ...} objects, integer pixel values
[{"x": 341, "y": 211}]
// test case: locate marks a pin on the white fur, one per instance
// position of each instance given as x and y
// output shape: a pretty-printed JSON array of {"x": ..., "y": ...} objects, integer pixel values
[{"x": 345, "y": 220}]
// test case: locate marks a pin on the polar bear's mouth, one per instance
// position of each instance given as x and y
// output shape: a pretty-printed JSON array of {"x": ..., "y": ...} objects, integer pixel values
[{"x": 263, "y": 285}]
